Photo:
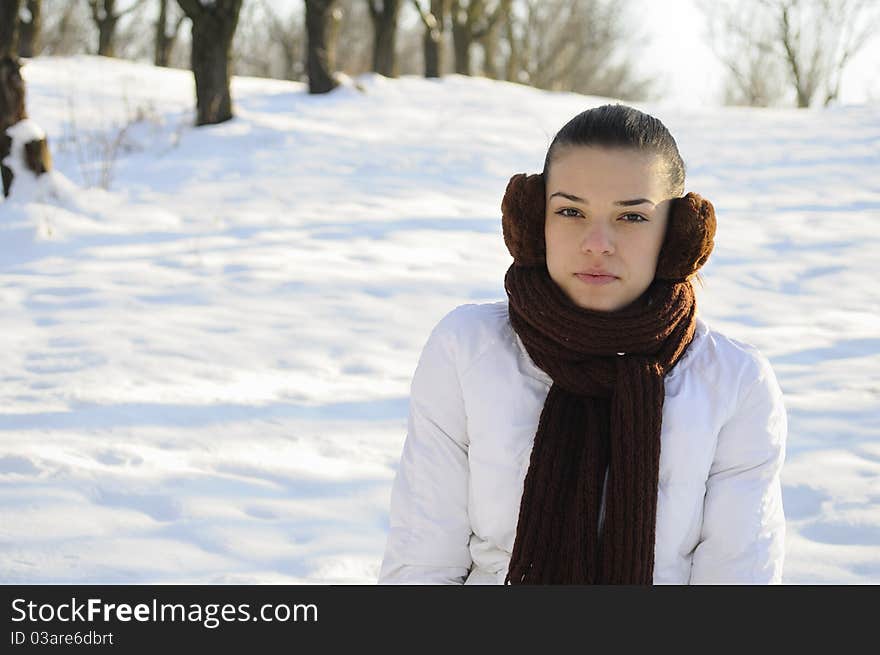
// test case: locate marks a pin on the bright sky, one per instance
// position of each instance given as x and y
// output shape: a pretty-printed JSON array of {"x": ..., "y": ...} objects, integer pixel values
[
  {"x": 679, "y": 52},
  {"x": 685, "y": 65}
]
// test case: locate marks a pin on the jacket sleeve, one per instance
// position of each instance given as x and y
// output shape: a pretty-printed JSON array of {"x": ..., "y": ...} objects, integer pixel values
[
  {"x": 429, "y": 533},
  {"x": 742, "y": 540}
]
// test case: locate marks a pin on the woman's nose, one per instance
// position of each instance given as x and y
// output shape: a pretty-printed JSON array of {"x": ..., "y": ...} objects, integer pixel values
[{"x": 597, "y": 239}]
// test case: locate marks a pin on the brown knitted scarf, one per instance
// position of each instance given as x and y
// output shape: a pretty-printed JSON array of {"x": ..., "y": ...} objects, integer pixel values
[{"x": 605, "y": 405}]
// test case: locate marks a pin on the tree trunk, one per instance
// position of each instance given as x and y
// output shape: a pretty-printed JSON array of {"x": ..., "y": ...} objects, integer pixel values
[
  {"x": 320, "y": 46},
  {"x": 461, "y": 46},
  {"x": 213, "y": 27},
  {"x": 490, "y": 48},
  {"x": 106, "y": 32},
  {"x": 384, "y": 36},
  {"x": 433, "y": 44},
  {"x": 165, "y": 39},
  {"x": 162, "y": 52},
  {"x": 290, "y": 62},
  {"x": 211, "y": 46},
  {"x": 105, "y": 17},
  {"x": 29, "y": 30},
  {"x": 490, "y": 38},
  {"x": 9, "y": 27},
  {"x": 512, "y": 67},
  {"x": 432, "y": 41}
]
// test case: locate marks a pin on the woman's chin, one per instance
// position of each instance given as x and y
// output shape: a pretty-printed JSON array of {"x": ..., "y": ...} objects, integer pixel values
[{"x": 596, "y": 304}]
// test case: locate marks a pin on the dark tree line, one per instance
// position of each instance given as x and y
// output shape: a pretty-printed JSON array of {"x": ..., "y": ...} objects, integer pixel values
[
  {"x": 312, "y": 49},
  {"x": 574, "y": 45},
  {"x": 213, "y": 28},
  {"x": 570, "y": 45}
]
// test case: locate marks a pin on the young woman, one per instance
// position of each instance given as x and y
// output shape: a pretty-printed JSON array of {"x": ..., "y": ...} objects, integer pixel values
[{"x": 592, "y": 429}]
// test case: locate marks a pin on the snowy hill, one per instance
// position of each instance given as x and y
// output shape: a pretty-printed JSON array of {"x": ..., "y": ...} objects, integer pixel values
[{"x": 206, "y": 366}]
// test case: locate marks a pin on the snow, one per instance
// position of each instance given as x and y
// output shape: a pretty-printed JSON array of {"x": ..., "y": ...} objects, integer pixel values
[
  {"x": 206, "y": 366},
  {"x": 24, "y": 131},
  {"x": 21, "y": 133}
]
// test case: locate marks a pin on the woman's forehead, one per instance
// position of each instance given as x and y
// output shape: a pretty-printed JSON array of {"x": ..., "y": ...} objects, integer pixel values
[
  {"x": 605, "y": 171},
  {"x": 590, "y": 157}
]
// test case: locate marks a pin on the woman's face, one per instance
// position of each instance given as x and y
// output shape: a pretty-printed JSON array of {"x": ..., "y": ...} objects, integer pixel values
[{"x": 606, "y": 212}]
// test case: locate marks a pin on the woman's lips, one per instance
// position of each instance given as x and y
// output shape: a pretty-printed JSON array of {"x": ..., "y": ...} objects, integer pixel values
[{"x": 595, "y": 279}]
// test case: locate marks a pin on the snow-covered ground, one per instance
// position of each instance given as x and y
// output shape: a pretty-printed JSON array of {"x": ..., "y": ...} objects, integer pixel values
[{"x": 205, "y": 368}]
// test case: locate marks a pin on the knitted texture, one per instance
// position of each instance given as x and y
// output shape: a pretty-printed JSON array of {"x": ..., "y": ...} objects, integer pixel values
[{"x": 605, "y": 405}]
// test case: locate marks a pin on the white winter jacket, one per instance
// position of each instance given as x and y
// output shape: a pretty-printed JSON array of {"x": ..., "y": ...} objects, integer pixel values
[{"x": 476, "y": 397}]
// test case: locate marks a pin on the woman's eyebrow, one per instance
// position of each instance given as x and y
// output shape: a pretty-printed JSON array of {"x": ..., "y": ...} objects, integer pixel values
[{"x": 623, "y": 203}]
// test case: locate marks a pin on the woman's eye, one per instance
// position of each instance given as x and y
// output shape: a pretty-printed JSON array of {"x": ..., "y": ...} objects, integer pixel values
[{"x": 574, "y": 213}]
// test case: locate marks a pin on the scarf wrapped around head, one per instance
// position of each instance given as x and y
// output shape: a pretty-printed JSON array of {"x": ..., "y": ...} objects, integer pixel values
[{"x": 605, "y": 405}]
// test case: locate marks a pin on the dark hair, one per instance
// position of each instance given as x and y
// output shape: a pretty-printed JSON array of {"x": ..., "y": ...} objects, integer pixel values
[{"x": 621, "y": 126}]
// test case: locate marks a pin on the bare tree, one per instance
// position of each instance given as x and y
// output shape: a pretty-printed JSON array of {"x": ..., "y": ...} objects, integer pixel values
[
  {"x": 514, "y": 68},
  {"x": 267, "y": 44},
  {"x": 9, "y": 27},
  {"x": 471, "y": 20},
  {"x": 802, "y": 46},
  {"x": 353, "y": 45},
  {"x": 490, "y": 39},
  {"x": 756, "y": 82},
  {"x": 165, "y": 39},
  {"x": 29, "y": 25},
  {"x": 135, "y": 36},
  {"x": 252, "y": 48},
  {"x": 320, "y": 51},
  {"x": 410, "y": 46},
  {"x": 67, "y": 27},
  {"x": 574, "y": 45},
  {"x": 837, "y": 39},
  {"x": 106, "y": 18},
  {"x": 384, "y": 14},
  {"x": 434, "y": 19},
  {"x": 742, "y": 40},
  {"x": 286, "y": 34},
  {"x": 213, "y": 27}
]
